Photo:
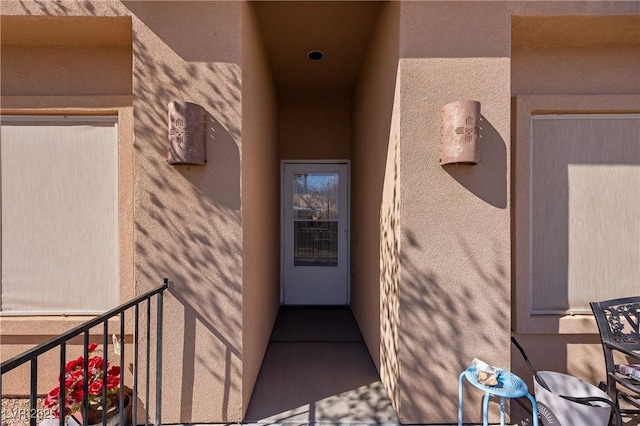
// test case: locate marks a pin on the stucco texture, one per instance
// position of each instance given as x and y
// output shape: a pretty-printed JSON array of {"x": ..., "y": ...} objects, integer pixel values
[
  {"x": 454, "y": 250},
  {"x": 76, "y": 59},
  {"x": 431, "y": 253},
  {"x": 375, "y": 198},
  {"x": 442, "y": 276},
  {"x": 315, "y": 125},
  {"x": 571, "y": 63},
  {"x": 260, "y": 204},
  {"x": 188, "y": 218}
]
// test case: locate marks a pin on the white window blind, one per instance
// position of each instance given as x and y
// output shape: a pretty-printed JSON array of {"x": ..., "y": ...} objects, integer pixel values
[
  {"x": 59, "y": 215},
  {"x": 585, "y": 210}
]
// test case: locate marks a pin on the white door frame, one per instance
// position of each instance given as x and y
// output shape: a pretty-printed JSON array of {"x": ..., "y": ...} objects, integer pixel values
[{"x": 282, "y": 224}]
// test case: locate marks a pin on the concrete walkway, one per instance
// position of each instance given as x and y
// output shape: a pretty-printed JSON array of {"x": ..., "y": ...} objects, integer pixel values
[{"x": 317, "y": 370}]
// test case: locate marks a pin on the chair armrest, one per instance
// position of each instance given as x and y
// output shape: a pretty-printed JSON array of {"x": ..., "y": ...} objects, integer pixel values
[
  {"x": 632, "y": 352},
  {"x": 629, "y": 383}
]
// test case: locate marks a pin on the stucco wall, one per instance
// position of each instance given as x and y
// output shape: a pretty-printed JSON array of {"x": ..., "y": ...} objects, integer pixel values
[
  {"x": 375, "y": 198},
  {"x": 71, "y": 58},
  {"x": 70, "y": 67},
  {"x": 454, "y": 220},
  {"x": 260, "y": 203},
  {"x": 188, "y": 218},
  {"x": 566, "y": 64},
  {"x": 431, "y": 245},
  {"x": 34, "y": 54},
  {"x": 315, "y": 125}
]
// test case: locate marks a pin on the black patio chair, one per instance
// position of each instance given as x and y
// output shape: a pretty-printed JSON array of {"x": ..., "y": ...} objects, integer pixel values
[{"x": 619, "y": 325}]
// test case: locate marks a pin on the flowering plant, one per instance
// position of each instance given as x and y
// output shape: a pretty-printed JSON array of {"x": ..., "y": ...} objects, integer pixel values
[{"x": 74, "y": 381}]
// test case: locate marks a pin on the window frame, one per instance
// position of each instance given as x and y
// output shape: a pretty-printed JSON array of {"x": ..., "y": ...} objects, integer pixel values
[{"x": 526, "y": 107}]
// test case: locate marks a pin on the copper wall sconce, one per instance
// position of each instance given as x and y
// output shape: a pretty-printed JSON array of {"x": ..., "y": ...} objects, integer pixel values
[
  {"x": 460, "y": 133},
  {"x": 187, "y": 133}
]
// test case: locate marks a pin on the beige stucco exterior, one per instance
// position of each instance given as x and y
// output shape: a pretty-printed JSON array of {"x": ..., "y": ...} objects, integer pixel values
[
  {"x": 438, "y": 273},
  {"x": 549, "y": 76},
  {"x": 261, "y": 203},
  {"x": 30, "y": 62},
  {"x": 374, "y": 295}
]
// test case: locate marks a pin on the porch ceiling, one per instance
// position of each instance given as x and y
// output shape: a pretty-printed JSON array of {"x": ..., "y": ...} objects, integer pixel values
[{"x": 340, "y": 29}]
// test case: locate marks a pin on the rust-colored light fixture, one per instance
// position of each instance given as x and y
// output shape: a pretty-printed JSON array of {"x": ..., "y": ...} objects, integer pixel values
[
  {"x": 460, "y": 133},
  {"x": 187, "y": 133}
]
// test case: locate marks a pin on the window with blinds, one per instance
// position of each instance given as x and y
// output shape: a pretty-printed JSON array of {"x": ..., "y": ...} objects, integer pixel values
[
  {"x": 584, "y": 210},
  {"x": 59, "y": 204}
]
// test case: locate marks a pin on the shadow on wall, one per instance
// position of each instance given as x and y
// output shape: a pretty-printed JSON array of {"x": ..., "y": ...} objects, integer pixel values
[
  {"x": 439, "y": 297},
  {"x": 439, "y": 318},
  {"x": 390, "y": 280},
  {"x": 223, "y": 167},
  {"x": 488, "y": 179},
  {"x": 59, "y": 9},
  {"x": 188, "y": 228},
  {"x": 187, "y": 219},
  {"x": 212, "y": 36}
]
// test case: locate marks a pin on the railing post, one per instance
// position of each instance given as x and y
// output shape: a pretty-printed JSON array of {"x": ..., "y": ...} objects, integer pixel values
[
  {"x": 33, "y": 399},
  {"x": 85, "y": 385},
  {"x": 63, "y": 391},
  {"x": 159, "y": 357},
  {"x": 148, "y": 365},
  {"x": 105, "y": 357},
  {"x": 136, "y": 337},
  {"x": 122, "y": 344}
]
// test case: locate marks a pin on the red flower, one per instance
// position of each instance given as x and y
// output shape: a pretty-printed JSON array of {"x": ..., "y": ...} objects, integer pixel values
[
  {"x": 72, "y": 379},
  {"x": 96, "y": 362},
  {"x": 77, "y": 374},
  {"x": 55, "y": 392},
  {"x": 113, "y": 382},
  {"x": 77, "y": 395},
  {"x": 52, "y": 398},
  {"x": 76, "y": 363},
  {"x": 75, "y": 378},
  {"x": 95, "y": 388}
]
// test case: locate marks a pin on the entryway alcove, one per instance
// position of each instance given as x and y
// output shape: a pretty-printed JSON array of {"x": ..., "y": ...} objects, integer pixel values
[
  {"x": 317, "y": 369},
  {"x": 323, "y": 362}
]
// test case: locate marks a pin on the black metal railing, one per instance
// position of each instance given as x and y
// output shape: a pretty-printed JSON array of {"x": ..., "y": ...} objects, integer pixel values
[{"x": 145, "y": 300}]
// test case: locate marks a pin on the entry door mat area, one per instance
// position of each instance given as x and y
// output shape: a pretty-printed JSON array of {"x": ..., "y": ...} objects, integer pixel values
[
  {"x": 315, "y": 324},
  {"x": 317, "y": 370}
]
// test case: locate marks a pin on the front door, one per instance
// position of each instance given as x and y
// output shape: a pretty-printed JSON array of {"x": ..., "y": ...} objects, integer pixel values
[{"x": 315, "y": 234}]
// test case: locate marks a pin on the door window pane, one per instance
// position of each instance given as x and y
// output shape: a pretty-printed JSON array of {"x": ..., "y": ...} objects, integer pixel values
[
  {"x": 315, "y": 213},
  {"x": 316, "y": 243}
]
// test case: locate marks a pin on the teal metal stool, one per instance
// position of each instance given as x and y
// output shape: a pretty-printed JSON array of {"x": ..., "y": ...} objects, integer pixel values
[{"x": 509, "y": 386}]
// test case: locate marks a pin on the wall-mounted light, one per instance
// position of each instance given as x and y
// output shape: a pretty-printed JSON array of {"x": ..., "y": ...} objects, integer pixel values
[
  {"x": 187, "y": 133},
  {"x": 460, "y": 133}
]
